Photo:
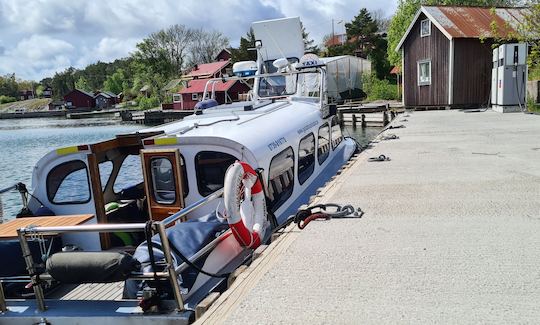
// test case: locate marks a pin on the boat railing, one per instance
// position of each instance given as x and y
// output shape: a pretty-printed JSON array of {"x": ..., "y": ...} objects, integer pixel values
[{"x": 158, "y": 227}]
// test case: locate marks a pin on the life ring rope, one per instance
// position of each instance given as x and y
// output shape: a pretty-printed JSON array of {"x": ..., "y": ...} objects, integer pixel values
[{"x": 241, "y": 187}]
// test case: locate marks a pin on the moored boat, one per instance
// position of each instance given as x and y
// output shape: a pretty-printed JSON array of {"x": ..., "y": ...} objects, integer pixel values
[{"x": 172, "y": 210}]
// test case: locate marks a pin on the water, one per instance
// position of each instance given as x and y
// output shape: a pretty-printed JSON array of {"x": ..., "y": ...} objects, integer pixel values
[{"x": 24, "y": 141}]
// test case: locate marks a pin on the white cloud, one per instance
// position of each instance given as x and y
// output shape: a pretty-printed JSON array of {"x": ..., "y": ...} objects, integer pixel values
[
  {"x": 40, "y": 37},
  {"x": 106, "y": 50}
]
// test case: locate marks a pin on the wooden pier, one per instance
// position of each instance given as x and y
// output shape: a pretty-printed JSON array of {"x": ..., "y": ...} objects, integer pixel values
[
  {"x": 449, "y": 234},
  {"x": 367, "y": 115}
]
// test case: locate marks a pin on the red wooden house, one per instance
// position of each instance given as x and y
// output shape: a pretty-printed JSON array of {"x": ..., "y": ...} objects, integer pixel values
[
  {"x": 79, "y": 99},
  {"x": 224, "y": 55},
  {"x": 225, "y": 92},
  {"x": 208, "y": 70}
]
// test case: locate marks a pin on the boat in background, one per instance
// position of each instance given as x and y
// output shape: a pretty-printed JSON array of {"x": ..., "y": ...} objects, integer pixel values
[{"x": 205, "y": 192}]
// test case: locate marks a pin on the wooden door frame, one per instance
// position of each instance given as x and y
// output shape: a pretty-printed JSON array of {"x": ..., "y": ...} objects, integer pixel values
[{"x": 146, "y": 156}]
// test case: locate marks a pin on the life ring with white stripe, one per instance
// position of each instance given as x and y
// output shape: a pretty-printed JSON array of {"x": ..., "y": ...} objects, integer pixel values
[{"x": 245, "y": 207}]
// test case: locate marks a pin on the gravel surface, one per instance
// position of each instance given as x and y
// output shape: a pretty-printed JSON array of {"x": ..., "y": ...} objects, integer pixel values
[{"x": 451, "y": 232}]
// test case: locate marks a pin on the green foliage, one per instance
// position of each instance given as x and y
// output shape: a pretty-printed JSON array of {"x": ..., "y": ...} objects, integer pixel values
[
  {"x": 398, "y": 26},
  {"x": 529, "y": 32},
  {"x": 39, "y": 90},
  {"x": 242, "y": 53},
  {"x": 366, "y": 41},
  {"x": 309, "y": 46},
  {"x": 9, "y": 86},
  {"x": 115, "y": 83},
  {"x": 82, "y": 84},
  {"x": 148, "y": 102},
  {"x": 379, "y": 89},
  {"x": 7, "y": 99}
]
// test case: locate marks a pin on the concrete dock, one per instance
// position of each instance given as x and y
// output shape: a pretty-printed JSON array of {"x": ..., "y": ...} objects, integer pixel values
[{"x": 451, "y": 234}]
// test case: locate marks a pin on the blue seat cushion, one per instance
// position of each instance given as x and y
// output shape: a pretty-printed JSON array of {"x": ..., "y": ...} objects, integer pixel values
[{"x": 187, "y": 238}]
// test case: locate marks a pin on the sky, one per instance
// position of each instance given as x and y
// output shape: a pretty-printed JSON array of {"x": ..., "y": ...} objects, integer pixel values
[{"x": 41, "y": 37}]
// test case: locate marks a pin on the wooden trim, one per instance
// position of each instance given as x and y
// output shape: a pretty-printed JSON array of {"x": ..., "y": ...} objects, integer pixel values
[
  {"x": 451, "y": 73},
  {"x": 157, "y": 210},
  {"x": 99, "y": 202}
]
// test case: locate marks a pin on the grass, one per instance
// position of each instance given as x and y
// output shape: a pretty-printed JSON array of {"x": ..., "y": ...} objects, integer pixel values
[{"x": 29, "y": 105}]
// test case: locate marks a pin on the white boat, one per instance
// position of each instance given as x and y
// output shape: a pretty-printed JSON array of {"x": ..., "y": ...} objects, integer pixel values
[{"x": 288, "y": 133}]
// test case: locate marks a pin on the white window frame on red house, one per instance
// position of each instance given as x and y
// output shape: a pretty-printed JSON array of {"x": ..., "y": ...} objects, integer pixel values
[
  {"x": 194, "y": 96},
  {"x": 424, "y": 80},
  {"x": 176, "y": 98},
  {"x": 424, "y": 33}
]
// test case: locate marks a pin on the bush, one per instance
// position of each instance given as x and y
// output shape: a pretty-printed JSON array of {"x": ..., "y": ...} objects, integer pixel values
[
  {"x": 148, "y": 102},
  {"x": 7, "y": 99},
  {"x": 379, "y": 89}
]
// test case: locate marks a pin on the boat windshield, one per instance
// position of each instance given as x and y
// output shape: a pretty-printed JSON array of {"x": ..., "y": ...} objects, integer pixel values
[
  {"x": 309, "y": 84},
  {"x": 277, "y": 85}
]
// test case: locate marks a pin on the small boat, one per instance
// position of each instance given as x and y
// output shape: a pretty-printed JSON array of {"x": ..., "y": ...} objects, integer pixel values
[{"x": 167, "y": 213}]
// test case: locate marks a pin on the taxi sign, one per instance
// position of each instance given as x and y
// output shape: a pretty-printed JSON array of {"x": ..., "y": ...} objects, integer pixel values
[{"x": 309, "y": 60}]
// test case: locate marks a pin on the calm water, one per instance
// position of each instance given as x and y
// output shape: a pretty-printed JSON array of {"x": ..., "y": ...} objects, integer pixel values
[{"x": 23, "y": 142}]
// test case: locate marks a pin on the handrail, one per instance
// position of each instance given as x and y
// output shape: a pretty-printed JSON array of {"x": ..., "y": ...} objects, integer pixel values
[
  {"x": 127, "y": 227},
  {"x": 7, "y": 189},
  {"x": 182, "y": 213},
  {"x": 159, "y": 227},
  {"x": 211, "y": 245}
]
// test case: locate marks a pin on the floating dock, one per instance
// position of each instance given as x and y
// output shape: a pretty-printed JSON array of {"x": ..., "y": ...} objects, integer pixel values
[{"x": 450, "y": 234}]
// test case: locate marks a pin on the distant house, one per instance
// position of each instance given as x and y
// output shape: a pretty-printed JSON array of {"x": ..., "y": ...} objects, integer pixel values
[
  {"x": 26, "y": 94},
  {"x": 105, "y": 99},
  {"x": 447, "y": 54},
  {"x": 208, "y": 70},
  {"x": 47, "y": 92},
  {"x": 224, "y": 55},
  {"x": 337, "y": 39},
  {"x": 225, "y": 92},
  {"x": 56, "y": 105},
  {"x": 79, "y": 99}
]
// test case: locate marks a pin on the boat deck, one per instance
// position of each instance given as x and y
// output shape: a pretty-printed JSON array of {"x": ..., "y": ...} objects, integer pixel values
[
  {"x": 89, "y": 291},
  {"x": 450, "y": 234}
]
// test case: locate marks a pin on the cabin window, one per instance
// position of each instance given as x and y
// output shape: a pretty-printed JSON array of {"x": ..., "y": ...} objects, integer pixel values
[
  {"x": 194, "y": 96},
  {"x": 163, "y": 182},
  {"x": 68, "y": 183},
  {"x": 105, "y": 170},
  {"x": 337, "y": 136},
  {"x": 323, "y": 148},
  {"x": 425, "y": 28},
  {"x": 306, "y": 158},
  {"x": 281, "y": 178},
  {"x": 176, "y": 98},
  {"x": 129, "y": 175},
  {"x": 210, "y": 167},
  {"x": 424, "y": 73}
]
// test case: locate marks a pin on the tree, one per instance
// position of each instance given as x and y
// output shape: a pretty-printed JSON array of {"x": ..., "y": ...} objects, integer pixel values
[
  {"x": 365, "y": 40},
  {"x": 407, "y": 10},
  {"x": 9, "y": 86},
  {"x": 63, "y": 82},
  {"x": 205, "y": 46},
  {"x": 164, "y": 52},
  {"x": 308, "y": 43},
  {"x": 82, "y": 84},
  {"x": 115, "y": 83},
  {"x": 530, "y": 33},
  {"x": 243, "y": 52}
]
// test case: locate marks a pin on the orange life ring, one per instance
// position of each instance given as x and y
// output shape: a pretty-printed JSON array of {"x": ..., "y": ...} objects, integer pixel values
[{"x": 245, "y": 207}]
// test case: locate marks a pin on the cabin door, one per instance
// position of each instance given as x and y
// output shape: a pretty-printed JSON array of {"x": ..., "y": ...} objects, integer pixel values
[{"x": 163, "y": 181}]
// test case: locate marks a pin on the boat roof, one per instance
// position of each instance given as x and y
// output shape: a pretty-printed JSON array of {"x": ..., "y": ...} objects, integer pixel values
[{"x": 267, "y": 129}]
